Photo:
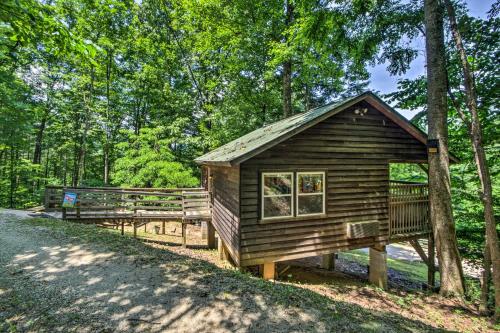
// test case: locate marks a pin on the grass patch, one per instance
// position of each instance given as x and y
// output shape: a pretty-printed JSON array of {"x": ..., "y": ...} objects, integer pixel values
[{"x": 415, "y": 270}]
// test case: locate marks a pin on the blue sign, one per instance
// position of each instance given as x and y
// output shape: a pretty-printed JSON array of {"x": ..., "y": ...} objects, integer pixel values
[{"x": 69, "y": 200}]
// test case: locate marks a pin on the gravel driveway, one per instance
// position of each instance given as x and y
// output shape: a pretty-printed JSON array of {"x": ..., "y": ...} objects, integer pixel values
[{"x": 85, "y": 279}]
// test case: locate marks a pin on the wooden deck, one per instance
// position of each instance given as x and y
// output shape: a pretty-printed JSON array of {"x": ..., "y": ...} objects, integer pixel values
[
  {"x": 132, "y": 206},
  {"x": 407, "y": 202}
]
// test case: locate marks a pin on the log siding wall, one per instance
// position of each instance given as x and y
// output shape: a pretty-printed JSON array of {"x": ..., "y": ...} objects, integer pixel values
[
  {"x": 355, "y": 151},
  {"x": 226, "y": 207}
]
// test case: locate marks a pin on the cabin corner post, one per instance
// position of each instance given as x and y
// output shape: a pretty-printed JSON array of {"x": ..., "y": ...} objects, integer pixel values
[
  {"x": 211, "y": 235},
  {"x": 378, "y": 266},
  {"x": 222, "y": 250}
]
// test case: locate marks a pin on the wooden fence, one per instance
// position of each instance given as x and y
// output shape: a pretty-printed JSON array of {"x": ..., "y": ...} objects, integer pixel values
[{"x": 408, "y": 209}]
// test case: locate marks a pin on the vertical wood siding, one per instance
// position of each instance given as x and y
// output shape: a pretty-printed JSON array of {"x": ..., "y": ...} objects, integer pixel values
[
  {"x": 226, "y": 207},
  {"x": 355, "y": 151}
]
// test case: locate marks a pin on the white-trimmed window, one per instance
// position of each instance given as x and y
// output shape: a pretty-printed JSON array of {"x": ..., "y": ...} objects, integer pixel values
[
  {"x": 277, "y": 197},
  {"x": 310, "y": 193}
]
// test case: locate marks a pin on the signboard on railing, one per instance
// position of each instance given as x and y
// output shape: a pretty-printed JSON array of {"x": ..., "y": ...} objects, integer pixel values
[{"x": 69, "y": 200}]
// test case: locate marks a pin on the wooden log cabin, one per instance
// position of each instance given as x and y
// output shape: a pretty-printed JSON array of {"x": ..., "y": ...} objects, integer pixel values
[{"x": 318, "y": 183}]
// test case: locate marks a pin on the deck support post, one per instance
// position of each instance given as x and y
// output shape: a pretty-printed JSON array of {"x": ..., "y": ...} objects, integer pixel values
[
  {"x": 184, "y": 236},
  {"x": 328, "y": 261},
  {"x": 428, "y": 259},
  {"x": 378, "y": 266},
  {"x": 145, "y": 227},
  {"x": 135, "y": 229},
  {"x": 204, "y": 230},
  {"x": 269, "y": 271},
  {"x": 210, "y": 235},
  {"x": 163, "y": 227},
  {"x": 223, "y": 253},
  {"x": 123, "y": 227},
  {"x": 431, "y": 268}
]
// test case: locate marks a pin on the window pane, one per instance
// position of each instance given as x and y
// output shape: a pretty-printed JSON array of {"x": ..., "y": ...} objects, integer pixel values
[
  {"x": 310, "y": 204},
  {"x": 277, "y": 184},
  {"x": 277, "y": 206},
  {"x": 312, "y": 183}
]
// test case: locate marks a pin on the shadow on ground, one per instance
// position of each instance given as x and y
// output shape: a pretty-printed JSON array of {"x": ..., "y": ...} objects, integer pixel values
[{"x": 68, "y": 277}]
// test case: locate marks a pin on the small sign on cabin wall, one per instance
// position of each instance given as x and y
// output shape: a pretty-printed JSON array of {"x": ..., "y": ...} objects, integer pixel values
[
  {"x": 432, "y": 146},
  {"x": 69, "y": 200}
]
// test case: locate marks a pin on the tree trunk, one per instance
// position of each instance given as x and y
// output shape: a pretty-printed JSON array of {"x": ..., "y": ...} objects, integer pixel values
[
  {"x": 65, "y": 170},
  {"x": 12, "y": 178},
  {"x": 287, "y": 67},
  {"x": 307, "y": 98},
  {"x": 37, "y": 154},
  {"x": 46, "y": 173},
  {"x": 476, "y": 136},
  {"x": 287, "y": 89},
  {"x": 263, "y": 112},
  {"x": 106, "y": 164},
  {"x": 108, "y": 119},
  {"x": 81, "y": 150},
  {"x": 75, "y": 179},
  {"x": 485, "y": 280},
  {"x": 451, "y": 275}
]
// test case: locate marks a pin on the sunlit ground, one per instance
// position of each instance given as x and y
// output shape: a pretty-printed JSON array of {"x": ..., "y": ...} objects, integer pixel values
[{"x": 58, "y": 276}]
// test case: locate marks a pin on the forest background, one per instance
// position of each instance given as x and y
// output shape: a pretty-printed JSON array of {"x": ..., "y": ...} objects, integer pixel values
[{"x": 128, "y": 93}]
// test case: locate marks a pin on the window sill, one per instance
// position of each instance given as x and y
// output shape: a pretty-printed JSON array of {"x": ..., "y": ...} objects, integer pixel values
[{"x": 293, "y": 219}]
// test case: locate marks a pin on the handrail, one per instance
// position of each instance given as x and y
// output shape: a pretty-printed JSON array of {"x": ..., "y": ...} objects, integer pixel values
[
  {"x": 408, "y": 208},
  {"x": 126, "y": 188}
]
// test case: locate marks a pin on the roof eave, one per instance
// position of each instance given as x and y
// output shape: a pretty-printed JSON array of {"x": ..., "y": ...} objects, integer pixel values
[{"x": 214, "y": 163}]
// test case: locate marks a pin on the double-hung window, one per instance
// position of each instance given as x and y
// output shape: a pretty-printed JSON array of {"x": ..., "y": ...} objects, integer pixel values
[
  {"x": 277, "y": 197},
  {"x": 292, "y": 194},
  {"x": 310, "y": 193}
]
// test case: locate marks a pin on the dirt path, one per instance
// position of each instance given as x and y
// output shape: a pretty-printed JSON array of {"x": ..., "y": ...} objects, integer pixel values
[
  {"x": 57, "y": 277},
  {"x": 23, "y": 214}
]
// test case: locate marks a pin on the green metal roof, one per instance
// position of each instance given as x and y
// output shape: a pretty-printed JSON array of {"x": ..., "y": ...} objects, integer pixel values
[{"x": 261, "y": 139}]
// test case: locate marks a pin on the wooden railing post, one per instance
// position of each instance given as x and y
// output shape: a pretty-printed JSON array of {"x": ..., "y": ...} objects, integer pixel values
[
  {"x": 46, "y": 199},
  {"x": 62, "y": 200},
  {"x": 78, "y": 204}
]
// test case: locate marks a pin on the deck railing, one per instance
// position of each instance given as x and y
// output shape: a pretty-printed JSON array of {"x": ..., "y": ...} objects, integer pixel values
[
  {"x": 112, "y": 202},
  {"x": 408, "y": 209}
]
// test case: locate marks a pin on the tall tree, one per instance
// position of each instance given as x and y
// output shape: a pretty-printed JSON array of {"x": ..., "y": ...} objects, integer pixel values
[
  {"x": 441, "y": 214},
  {"x": 287, "y": 63},
  {"x": 476, "y": 136}
]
